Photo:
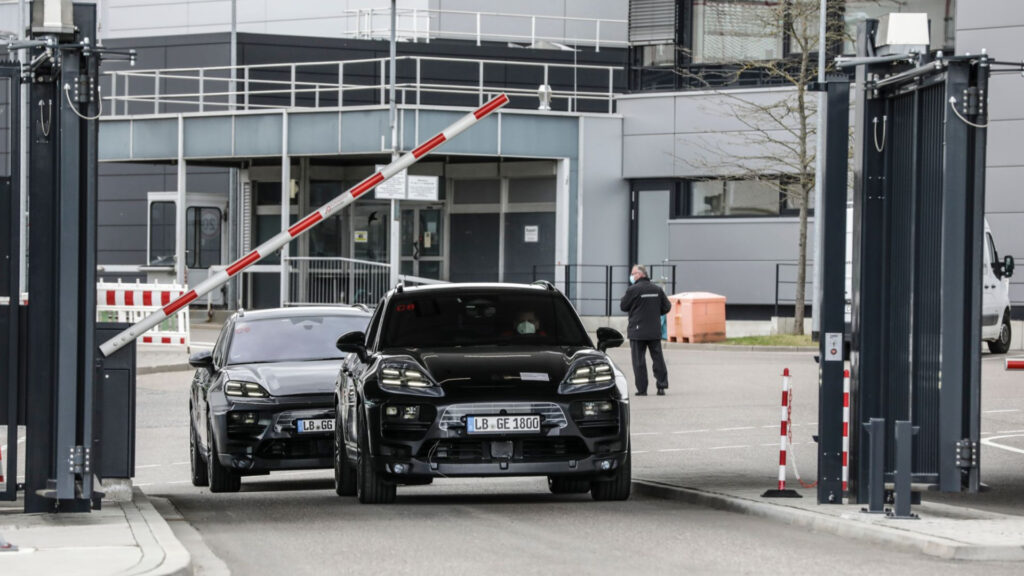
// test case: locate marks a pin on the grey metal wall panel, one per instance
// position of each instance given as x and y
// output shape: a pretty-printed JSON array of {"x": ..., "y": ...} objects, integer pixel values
[
  {"x": 480, "y": 139},
  {"x": 730, "y": 153},
  {"x": 121, "y": 212},
  {"x": 361, "y": 131},
  {"x": 155, "y": 139},
  {"x": 735, "y": 110},
  {"x": 539, "y": 136},
  {"x": 258, "y": 135},
  {"x": 121, "y": 244},
  {"x": 1004, "y": 143},
  {"x": 604, "y": 195},
  {"x": 208, "y": 137},
  {"x": 650, "y": 115},
  {"x": 1003, "y": 189},
  {"x": 1006, "y": 91},
  {"x": 114, "y": 140},
  {"x": 649, "y": 156},
  {"x": 313, "y": 133},
  {"x": 994, "y": 15}
]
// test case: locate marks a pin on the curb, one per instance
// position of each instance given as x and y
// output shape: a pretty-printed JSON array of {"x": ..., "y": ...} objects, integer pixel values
[
  {"x": 839, "y": 526},
  {"x": 162, "y": 553},
  {"x": 736, "y": 348}
]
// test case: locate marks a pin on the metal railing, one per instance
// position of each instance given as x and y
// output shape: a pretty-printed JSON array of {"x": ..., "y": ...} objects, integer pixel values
[
  {"x": 423, "y": 25},
  {"x": 786, "y": 283},
  {"x": 364, "y": 82},
  {"x": 327, "y": 280},
  {"x": 594, "y": 289}
]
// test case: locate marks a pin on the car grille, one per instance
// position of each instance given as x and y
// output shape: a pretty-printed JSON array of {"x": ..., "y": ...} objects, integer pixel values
[
  {"x": 552, "y": 415},
  {"x": 528, "y": 449},
  {"x": 297, "y": 448}
]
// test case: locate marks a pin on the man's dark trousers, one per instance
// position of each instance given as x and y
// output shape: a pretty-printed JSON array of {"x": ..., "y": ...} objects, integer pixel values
[{"x": 639, "y": 348}]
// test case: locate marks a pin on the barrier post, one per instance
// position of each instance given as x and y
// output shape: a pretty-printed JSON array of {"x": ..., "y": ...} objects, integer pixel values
[
  {"x": 781, "y": 491},
  {"x": 846, "y": 431},
  {"x": 1015, "y": 363}
]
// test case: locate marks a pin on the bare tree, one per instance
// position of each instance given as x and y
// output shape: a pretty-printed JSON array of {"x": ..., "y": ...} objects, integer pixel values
[{"x": 780, "y": 129}]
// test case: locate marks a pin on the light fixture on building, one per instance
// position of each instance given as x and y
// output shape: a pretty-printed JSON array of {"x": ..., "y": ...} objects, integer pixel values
[{"x": 544, "y": 95}]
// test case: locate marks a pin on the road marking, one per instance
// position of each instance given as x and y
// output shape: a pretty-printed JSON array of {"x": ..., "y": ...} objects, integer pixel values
[
  {"x": 639, "y": 452},
  {"x": 734, "y": 429},
  {"x": 203, "y": 344},
  {"x": 645, "y": 433},
  {"x": 990, "y": 442},
  {"x": 770, "y": 444},
  {"x": 1001, "y": 411},
  {"x": 678, "y": 449},
  {"x": 727, "y": 447},
  {"x": 159, "y": 465},
  {"x": 691, "y": 431},
  {"x": 771, "y": 426},
  {"x": 1010, "y": 432}
]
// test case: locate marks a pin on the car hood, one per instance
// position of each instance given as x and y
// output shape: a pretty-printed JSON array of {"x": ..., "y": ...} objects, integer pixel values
[
  {"x": 289, "y": 378},
  {"x": 498, "y": 367}
]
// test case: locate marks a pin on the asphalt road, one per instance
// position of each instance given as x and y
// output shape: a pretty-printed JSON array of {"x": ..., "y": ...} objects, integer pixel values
[{"x": 717, "y": 427}]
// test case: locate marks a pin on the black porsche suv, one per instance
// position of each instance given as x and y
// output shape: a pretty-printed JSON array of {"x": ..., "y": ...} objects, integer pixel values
[{"x": 480, "y": 380}]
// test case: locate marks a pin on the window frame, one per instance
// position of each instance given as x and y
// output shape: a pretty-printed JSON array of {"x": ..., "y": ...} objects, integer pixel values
[{"x": 193, "y": 255}]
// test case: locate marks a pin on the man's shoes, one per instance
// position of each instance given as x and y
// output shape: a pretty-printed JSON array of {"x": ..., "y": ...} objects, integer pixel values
[
  {"x": 641, "y": 394},
  {"x": 661, "y": 391}
]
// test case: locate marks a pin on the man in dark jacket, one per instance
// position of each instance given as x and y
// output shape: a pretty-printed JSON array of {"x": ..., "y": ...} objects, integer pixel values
[{"x": 646, "y": 302}]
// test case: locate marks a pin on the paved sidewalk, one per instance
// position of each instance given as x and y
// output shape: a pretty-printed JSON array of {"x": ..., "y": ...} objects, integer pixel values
[{"x": 124, "y": 538}]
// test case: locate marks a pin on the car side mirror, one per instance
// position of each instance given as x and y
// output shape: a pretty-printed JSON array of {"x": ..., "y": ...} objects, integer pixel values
[
  {"x": 353, "y": 343},
  {"x": 608, "y": 338},
  {"x": 1008, "y": 266},
  {"x": 201, "y": 359}
]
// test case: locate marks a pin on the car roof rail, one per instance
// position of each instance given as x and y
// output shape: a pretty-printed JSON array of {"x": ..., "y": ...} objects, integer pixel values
[
  {"x": 362, "y": 307},
  {"x": 544, "y": 283}
]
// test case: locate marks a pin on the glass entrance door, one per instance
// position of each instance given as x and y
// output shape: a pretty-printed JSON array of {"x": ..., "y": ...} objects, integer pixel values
[{"x": 423, "y": 241}]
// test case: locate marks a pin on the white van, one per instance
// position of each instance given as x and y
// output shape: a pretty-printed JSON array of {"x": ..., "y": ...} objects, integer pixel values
[
  {"x": 995, "y": 301},
  {"x": 995, "y": 281}
]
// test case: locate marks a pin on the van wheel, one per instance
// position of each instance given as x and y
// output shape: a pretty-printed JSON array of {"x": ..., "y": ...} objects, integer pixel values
[{"x": 1001, "y": 345}]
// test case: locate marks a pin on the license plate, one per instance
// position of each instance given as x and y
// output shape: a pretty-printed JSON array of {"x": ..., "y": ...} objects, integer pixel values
[
  {"x": 503, "y": 424},
  {"x": 318, "y": 425}
]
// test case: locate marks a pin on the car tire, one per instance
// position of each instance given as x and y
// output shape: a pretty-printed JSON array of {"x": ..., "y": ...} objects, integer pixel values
[
  {"x": 199, "y": 473},
  {"x": 1001, "y": 345},
  {"x": 371, "y": 487},
  {"x": 562, "y": 485},
  {"x": 220, "y": 478},
  {"x": 618, "y": 488},
  {"x": 344, "y": 474}
]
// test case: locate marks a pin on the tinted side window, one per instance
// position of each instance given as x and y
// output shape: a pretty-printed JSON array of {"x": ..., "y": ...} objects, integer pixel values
[{"x": 372, "y": 329}]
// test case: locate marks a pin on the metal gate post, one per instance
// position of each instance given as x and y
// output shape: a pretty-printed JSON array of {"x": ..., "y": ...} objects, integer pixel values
[
  {"x": 833, "y": 324},
  {"x": 10, "y": 76},
  {"x": 905, "y": 432},
  {"x": 875, "y": 470}
]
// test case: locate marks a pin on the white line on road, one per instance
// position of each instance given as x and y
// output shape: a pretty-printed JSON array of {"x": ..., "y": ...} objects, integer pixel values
[
  {"x": 691, "y": 431},
  {"x": 1002, "y": 411},
  {"x": 202, "y": 344},
  {"x": 159, "y": 465},
  {"x": 678, "y": 449},
  {"x": 639, "y": 452},
  {"x": 1010, "y": 432},
  {"x": 990, "y": 442}
]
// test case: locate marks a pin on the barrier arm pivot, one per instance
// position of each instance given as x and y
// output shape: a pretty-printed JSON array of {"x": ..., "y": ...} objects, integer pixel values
[{"x": 302, "y": 226}]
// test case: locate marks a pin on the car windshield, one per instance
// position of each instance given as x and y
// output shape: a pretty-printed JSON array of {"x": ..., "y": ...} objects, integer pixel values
[
  {"x": 290, "y": 339},
  {"x": 440, "y": 319}
]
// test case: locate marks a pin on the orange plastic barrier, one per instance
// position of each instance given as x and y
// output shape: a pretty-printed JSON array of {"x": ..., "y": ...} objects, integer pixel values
[{"x": 696, "y": 317}]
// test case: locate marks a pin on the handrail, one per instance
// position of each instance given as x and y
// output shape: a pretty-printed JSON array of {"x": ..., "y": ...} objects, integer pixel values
[{"x": 150, "y": 86}]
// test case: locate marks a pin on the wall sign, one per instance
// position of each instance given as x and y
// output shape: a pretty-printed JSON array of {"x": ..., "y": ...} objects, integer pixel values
[{"x": 531, "y": 233}]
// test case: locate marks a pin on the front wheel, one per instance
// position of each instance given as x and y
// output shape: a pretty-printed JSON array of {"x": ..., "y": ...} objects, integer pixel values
[
  {"x": 1001, "y": 345},
  {"x": 371, "y": 487},
  {"x": 199, "y": 472},
  {"x": 344, "y": 474},
  {"x": 220, "y": 478},
  {"x": 618, "y": 487}
]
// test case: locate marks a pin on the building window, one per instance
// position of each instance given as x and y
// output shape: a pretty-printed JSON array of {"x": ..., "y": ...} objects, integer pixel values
[
  {"x": 728, "y": 31},
  {"x": 658, "y": 55},
  {"x": 202, "y": 237},
  {"x": 734, "y": 198},
  {"x": 161, "y": 233}
]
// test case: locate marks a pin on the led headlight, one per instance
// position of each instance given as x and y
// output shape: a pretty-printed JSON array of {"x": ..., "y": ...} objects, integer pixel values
[
  {"x": 406, "y": 377},
  {"x": 245, "y": 389},
  {"x": 587, "y": 378}
]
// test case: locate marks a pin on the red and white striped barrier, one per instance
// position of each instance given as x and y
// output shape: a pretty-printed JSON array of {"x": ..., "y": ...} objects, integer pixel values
[
  {"x": 133, "y": 302},
  {"x": 274, "y": 244},
  {"x": 784, "y": 431},
  {"x": 846, "y": 429},
  {"x": 1015, "y": 363}
]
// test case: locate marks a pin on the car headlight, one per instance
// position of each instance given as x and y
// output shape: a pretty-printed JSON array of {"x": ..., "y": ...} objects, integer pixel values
[
  {"x": 588, "y": 378},
  {"x": 245, "y": 389},
  {"x": 407, "y": 377}
]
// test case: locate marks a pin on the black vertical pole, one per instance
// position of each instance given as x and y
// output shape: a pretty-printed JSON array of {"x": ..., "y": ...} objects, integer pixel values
[
  {"x": 832, "y": 216},
  {"x": 12, "y": 170}
]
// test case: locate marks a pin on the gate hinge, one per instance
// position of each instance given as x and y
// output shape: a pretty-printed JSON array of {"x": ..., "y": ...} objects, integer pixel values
[
  {"x": 966, "y": 454},
  {"x": 79, "y": 460}
]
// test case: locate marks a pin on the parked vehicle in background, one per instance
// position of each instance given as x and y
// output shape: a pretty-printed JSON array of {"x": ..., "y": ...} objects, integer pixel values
[
  {"x": 263, "y": 398},
  {"x": 480, "y": 380},
  {"x": 995, "y": 302}
]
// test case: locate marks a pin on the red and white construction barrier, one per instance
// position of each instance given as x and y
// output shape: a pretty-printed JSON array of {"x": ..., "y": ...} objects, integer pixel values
[
  {"x": 133, "y": 302},
  {"x": 846, "y": 429},
  {"x": 274, "y": 244},
  {"x": 1015, "y": 363},
  {"x": 784, "y": 430}
]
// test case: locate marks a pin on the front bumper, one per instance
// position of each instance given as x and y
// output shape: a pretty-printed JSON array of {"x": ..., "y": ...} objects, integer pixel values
[
  {"x": 274, "y": 442},
  {"x": 439, "y": 445}
]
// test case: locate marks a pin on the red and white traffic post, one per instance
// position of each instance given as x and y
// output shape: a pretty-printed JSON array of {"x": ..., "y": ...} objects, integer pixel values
[
  {"x": 846, "y": 430},
  {"x": 784, "y": 430},
  {"x": 1015, "y": 363},
  {"x": 302, "y": 226}
]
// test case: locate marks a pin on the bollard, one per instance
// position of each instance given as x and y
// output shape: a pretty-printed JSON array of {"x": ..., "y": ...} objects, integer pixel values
[
  {"x": 876, "y": 466},
  {"x": 902, "y": 477},
  {"x": 782, "y": 491}
]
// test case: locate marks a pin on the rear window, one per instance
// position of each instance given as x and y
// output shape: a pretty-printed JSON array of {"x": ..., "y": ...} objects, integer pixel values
[
  {"x": 437, "y": 319},
  {"x": 290, "y": 339}
]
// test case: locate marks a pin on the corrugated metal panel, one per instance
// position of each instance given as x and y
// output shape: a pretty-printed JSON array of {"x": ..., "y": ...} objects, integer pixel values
[{"x": 652, "y": 22}]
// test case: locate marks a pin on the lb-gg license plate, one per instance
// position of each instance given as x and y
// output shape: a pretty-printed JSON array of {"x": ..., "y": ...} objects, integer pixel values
[
  {"x": 503, "y": 424},
  {"x": 315, "y": 425}
]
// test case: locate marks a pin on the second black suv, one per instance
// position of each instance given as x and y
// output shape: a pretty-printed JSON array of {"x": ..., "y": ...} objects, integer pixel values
[{"x": 480, "y": 380}]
